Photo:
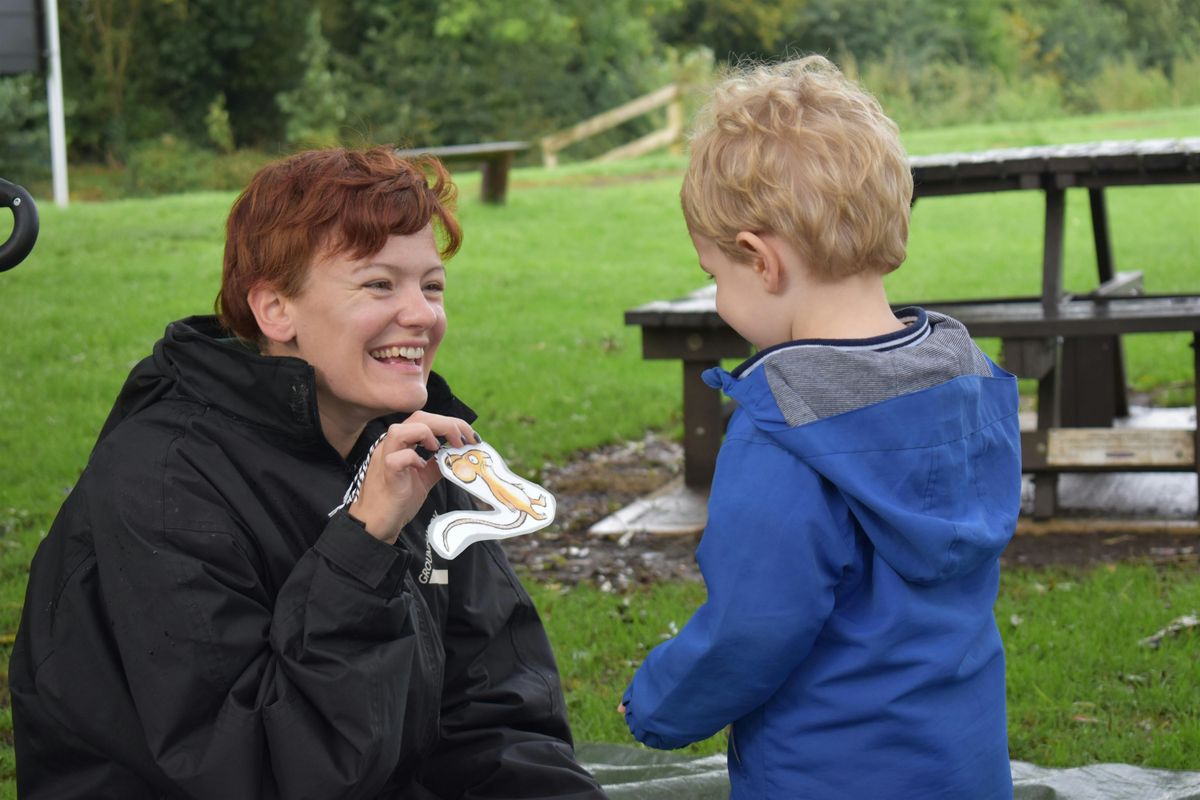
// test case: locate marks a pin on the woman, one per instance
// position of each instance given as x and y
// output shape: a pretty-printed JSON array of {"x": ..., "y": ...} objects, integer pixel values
[{"x": 213, "y": 614}]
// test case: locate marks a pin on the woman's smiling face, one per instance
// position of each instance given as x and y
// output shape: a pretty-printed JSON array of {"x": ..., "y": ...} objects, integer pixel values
[{"x": 370, "y": 329}]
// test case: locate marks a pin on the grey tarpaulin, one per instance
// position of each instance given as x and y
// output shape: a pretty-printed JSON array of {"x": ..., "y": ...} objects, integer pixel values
[
  {"x": 628, "y": 772},
  {"x": 1103, "y": 782},
  {"x": 633, "y": 773}
]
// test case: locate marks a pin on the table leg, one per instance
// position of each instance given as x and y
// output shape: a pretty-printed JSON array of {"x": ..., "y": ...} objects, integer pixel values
[
  {"x": 1196, "y": 434},
  {"x": 1045, "y": 484},
  {"x": 702, "y": 428},
  {"x": 495, "y": 178},
  {"x": 1052, "y": 249},
  {"x": 1091, "y": 389},
  {"x": 1106, "y": 270},
  {"x": 1104, "y": 258}
]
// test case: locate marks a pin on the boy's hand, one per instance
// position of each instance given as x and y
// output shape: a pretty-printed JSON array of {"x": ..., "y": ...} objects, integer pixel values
[
  {"x": 621, "y": 709},
  {"x": 398, "y": 479}
]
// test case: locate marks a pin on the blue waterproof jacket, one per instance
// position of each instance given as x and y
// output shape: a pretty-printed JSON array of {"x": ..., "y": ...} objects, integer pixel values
[{"x": 861, "y": 501}]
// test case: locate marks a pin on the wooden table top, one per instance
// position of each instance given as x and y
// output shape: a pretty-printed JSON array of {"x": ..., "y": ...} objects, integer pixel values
[{"x": 1092, "y": 164}]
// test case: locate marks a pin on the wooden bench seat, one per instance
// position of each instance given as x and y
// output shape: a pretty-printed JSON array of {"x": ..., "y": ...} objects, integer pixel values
[
  {"x": 496, "y": 158},
  {"x": 1013, "y": 317},
  {"x": 1080, "y": 316},
  {"x": 1108, "y": 449},
  {"x": 1033, "y": 339}
]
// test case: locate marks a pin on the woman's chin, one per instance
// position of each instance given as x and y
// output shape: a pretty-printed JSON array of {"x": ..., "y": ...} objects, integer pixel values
[{"x": 408, "y": 401}]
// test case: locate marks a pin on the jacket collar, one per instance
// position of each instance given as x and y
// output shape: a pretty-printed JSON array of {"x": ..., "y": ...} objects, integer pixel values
[
  {"x": 204, "y": 362},
  {"x": 916, "y": 328}
]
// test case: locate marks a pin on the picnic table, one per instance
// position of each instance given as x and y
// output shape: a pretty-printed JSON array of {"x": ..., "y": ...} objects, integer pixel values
[
  {"x": 496, "y": 158},
  {"x": 1069, "y": 343}
]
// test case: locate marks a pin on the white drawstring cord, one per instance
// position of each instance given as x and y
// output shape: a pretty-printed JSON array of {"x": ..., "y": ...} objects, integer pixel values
[{"x": 356, "y": 484}]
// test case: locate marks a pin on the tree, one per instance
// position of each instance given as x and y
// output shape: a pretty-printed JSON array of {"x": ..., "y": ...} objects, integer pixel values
[
  {"x": 135, "y": 70},
  {"x": 316, "y": 108},
  {"x": 733, "y": 29},
  {"x": 468, "y": 70},
  {"x": 250, "y": 52},
  {"x": 99, "y": 38}
]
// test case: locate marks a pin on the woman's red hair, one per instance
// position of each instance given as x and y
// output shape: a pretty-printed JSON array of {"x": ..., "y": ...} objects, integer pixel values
[{"x": 325, "y": 202}]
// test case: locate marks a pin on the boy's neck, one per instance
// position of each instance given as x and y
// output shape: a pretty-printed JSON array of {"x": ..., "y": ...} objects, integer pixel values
[{"x": 855, "y": 307}]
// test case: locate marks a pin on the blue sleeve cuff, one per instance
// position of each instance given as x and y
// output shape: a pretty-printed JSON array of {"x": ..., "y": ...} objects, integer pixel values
[{"x": 648, "y": 738}]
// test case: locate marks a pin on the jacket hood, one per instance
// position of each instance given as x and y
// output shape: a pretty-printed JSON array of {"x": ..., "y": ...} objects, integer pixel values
[
  {"x": 201, "y": 361},
  {"x": 922, "y": 442}
]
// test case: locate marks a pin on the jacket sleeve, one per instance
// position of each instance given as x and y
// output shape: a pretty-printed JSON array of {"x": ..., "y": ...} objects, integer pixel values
[
  {"x": 504, "y": 726},
  {"x": 772, "y": 554},
  {"x": 242, "y": 694}
]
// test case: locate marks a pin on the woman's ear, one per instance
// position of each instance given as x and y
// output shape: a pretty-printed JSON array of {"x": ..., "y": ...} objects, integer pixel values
[
  {"x": 272, "y": 312},
  {"x": 765, "y": 258}
]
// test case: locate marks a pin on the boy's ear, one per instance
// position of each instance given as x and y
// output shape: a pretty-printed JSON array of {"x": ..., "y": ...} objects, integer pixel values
[
  {"x": 765, "y": 258},
  {"x": 272, "y": 312}
]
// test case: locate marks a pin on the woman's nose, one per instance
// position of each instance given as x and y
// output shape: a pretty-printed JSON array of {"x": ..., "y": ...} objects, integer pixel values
[{"x": 415, "y": 310}]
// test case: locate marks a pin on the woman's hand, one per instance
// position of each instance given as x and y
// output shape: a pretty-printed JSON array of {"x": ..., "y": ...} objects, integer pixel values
[{"x": 398, "y": 479}]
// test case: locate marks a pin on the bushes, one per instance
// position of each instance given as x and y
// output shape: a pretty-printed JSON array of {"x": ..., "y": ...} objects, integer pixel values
[
  {"x": 1121, "y": 86},
  {"x": 169, "y": 165},
  {"x": 937, "y": 94},
  {"x": 280, "y": 74},
  {"x": 919, "y": 96},
  {"x": 1185, "y": 80},
  {"x": 24, "y": 139}
]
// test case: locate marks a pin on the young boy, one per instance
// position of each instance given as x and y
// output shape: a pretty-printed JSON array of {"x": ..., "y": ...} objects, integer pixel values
[{"x": 867, "y": 483}]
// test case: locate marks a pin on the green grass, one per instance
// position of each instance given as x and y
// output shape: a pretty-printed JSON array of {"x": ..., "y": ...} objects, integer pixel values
[
  {"x": 1081, "y": 689},
  {"x": 599, "y": 640},
  {"x": 537, "y": 342}
]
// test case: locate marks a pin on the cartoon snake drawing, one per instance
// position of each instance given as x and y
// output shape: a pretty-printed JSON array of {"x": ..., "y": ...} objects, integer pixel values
[{"x": 476, "y": 464}]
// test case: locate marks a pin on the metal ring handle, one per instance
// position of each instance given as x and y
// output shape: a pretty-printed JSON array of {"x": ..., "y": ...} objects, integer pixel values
[{"x": 25, "y": 224}]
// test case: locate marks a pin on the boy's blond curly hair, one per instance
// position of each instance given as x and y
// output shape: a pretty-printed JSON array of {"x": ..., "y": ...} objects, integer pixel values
[{"x": 799, "y": 150}]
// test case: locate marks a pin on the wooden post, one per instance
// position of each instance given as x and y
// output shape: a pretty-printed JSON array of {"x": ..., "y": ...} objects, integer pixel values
[
  {"x": 494, "y": 158},
  {"x": 1104, "y": 257},
  {"x": 1196, "y": 433},
  {"x": 701, "y": 425},
  {"x": 1090, "y": 385},
  {"x": 1052, "y": 249},
  {"x": 1106, "y": 271},
  {"x": 675, "y": 123},
  {"x": 1045, "y": 484},
  {"x": 495, "y": 177},
  {"x": 699, "y": 346}
]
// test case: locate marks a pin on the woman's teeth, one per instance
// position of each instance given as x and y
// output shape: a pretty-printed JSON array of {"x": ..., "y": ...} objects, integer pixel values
[{"x": 410, "y": 353}]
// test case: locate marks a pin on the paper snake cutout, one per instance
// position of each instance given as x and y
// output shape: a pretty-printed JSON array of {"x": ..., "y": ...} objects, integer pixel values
[{"x": 518, "y": 506}]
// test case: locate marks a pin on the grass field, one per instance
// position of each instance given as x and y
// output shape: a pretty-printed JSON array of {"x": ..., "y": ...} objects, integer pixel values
[
  {"x": 1081, "y": 689},
  {"x": 538, "y": 346}
]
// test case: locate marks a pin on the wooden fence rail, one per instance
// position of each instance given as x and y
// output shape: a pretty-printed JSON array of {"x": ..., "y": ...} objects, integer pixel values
[{"x": 669, "y": 95}]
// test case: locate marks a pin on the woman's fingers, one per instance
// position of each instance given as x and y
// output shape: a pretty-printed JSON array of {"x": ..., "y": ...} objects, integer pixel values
[
  {"x": 404, "y": 458},
  {"x": 454, "y": 431},
  {"x": 400, "y": 476},
  {"x": 397, "y": 480},
  {"x": 407, "y": 435}
]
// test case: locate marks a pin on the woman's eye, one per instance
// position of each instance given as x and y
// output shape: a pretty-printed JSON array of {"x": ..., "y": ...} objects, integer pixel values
[
  {"x": 435, "y": 287},
  {"x": 381, "y": 285}
]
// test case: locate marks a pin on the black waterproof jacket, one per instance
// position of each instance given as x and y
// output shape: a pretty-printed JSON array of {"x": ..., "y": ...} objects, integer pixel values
[{"x": 197, "y": 625}]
